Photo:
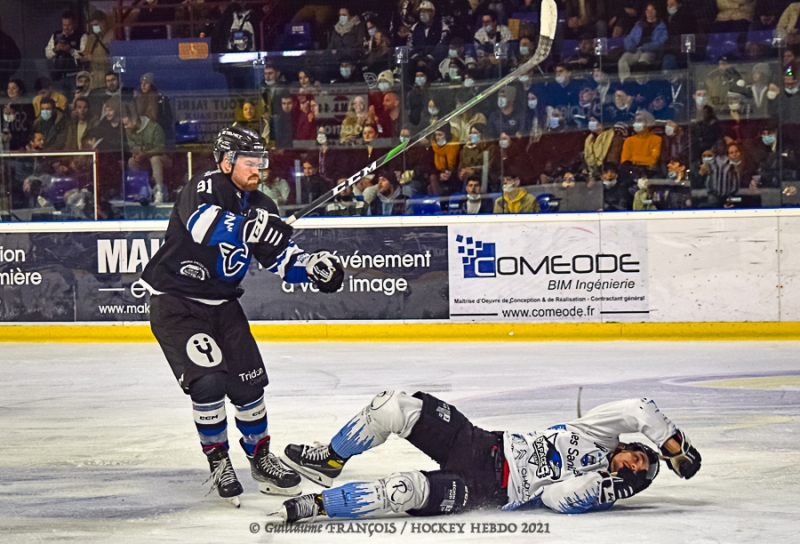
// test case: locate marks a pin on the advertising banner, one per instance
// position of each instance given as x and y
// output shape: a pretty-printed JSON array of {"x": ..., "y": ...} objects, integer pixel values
[
  {"x": 392, "y": 273},
  {"x": 584, "y": 271}
]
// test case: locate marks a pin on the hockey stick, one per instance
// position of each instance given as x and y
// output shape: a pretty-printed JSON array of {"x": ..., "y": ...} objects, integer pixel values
[{"x": 547, "y": 22}]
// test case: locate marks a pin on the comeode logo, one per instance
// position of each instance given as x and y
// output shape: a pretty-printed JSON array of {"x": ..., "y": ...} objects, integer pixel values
[{"x": 478, "y": 258}]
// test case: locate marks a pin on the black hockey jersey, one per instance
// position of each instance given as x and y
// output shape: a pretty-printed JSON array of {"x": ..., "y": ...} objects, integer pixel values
[{"x": 204, "y": 255}]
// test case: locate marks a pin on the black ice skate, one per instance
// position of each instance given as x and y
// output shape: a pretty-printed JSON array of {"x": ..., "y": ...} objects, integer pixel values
[
  {"x": 273, "y": 477},
  {"x": 223, "y": 478},
  {"x": 318, "y": 463},
  {"x": 304, "y": 508}
]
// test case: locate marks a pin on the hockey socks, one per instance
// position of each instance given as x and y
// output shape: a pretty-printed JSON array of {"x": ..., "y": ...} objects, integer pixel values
[
  {"x": 251, "y": 420},
  {"x": 211, "y": 423}
]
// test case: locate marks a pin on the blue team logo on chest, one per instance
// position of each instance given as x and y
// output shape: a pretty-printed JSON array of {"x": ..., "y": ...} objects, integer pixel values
[
  {"x": 546, "y": 457},
  {"x": 233, "y": 261}
]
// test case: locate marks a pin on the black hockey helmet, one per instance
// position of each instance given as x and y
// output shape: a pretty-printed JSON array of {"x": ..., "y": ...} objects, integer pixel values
[
  {"x": 233, "y": 142},
  {"x": 652, "y": 458}
]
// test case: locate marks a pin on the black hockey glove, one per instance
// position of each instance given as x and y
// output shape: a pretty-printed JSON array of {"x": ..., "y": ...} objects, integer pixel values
[
  {"x": 325, "y": 271},
  {"x": 686, "y": 463},
  {"x": 264, "y": 227},
  {"x": 623, "y": 484}
]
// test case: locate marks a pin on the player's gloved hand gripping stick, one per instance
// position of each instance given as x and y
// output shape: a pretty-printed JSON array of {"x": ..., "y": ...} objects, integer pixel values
[{"x": 547, "y": 21}]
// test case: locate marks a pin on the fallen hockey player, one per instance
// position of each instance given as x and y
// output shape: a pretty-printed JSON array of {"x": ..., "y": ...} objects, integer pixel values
[{"x": 576, "y": 467}]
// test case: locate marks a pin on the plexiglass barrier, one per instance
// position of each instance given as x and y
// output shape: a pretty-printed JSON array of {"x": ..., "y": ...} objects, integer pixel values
[{"x": 571, "y": 137}]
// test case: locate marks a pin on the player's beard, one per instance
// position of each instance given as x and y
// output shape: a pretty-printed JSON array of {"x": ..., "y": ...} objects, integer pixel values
[{"x": 252, "y": 183}]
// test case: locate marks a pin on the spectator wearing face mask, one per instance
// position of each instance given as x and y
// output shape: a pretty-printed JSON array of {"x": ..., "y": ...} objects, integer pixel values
[
  {"x": 617, "y": 193},
  {"x": 455, "y": 51},
  {"x": 674, "y": 145},
  {"x": 52, "y": 124},
  {"x": 642, "y": 200},
  {"x": 461, "y": 124},
  {"x": 349, "y": 74},
  {"x": 98, "y": 49},
  {"x": 418, "y": 97},
  {"x": 679, "y": 21},
  {"x": 766, "y": 153},
  {"x": 507, "y": 118},
  {"x": 471, "y": 202},
  {"x": 429, "y": 35},
  {"x": 380, "y": 54},
  {"x": 515, "y": 199},
  {"x": 491, "y": 33},
  {"x": 562, "y": 91},
  {"x": 347, "y": 35},
  {"x": 446, "y": 149},
  {"x": 706, "y": 131},
  {"x": 643, "y": 148},
  {"x": 44, "y": 89},
  {"x": 471, "y": 157},
  {"x": 595, "y": 147},
  {"x": 535, "y": 111},
  {"x": 375, "y": 97}
]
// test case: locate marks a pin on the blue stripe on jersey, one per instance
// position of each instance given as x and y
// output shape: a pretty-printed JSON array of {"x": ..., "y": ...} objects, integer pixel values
[
  {"x": 227, "y": 230},
  {"x": 296, "y": 274}
]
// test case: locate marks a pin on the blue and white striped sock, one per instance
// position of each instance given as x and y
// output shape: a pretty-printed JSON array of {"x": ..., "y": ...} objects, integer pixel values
[
  {"x": 251, "y": 419},
  {"x": 212, "y": 423}
]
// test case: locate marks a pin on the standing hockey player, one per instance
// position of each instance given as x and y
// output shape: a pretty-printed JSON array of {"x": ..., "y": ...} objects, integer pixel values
[
  {"x": 218, "y": 223},
  {"x": 571, "y": 468}
]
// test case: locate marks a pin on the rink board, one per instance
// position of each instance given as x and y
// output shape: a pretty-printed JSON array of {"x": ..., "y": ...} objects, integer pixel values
[{"x": 663, "y": 275}]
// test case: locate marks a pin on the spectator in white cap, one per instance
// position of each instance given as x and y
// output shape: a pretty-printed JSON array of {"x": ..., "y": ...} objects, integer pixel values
[{"x": 430, "y": 35}]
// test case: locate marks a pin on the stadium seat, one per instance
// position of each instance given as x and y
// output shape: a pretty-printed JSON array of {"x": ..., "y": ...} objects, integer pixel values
[
  {"x": 569, "y": 48},
  {"x": 722, "y": 44},
  {"x": 547, "y": 202},
  {"x": 59, "y": 186},
  {"x": 137, "y": 186},
  {"x": 763, "y": 37},
  {"x": 296, "y": 36},
  {"x": 532, "y": 18},
  {"x": 425, "y": 205},
  {"x": 187, "y": 132}
]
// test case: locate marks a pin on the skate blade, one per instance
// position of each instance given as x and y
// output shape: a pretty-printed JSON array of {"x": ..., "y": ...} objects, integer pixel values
[
  {"x": 313, "y": 475},
  {"x": 234, "y": 501},
  {"x": 269, "y": 489}
]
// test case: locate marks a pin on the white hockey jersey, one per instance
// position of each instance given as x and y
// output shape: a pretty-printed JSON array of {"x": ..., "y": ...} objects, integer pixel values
[{"x": 559, "y": 467}]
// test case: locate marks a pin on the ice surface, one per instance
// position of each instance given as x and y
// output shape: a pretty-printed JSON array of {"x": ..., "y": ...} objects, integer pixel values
[{"x": 98, "y": 443}]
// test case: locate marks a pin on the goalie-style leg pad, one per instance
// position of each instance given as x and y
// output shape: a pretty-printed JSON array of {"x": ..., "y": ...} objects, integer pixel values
[
  {"x": 401, "y": 492},
  {"x": 389, "y": 412}
]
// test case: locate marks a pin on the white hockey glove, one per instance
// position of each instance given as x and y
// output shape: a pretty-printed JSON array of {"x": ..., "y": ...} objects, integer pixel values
[
  {"x": 325, "y": 271},
  {"x": 685, "y": 463},
  {"x": 264, "y": 227}
]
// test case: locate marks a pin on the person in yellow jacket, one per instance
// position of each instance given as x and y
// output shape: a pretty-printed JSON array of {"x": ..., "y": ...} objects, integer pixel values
[
  {"x": 644, "y": 147},
  {"x": 515, "y": 199}
]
